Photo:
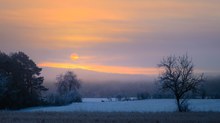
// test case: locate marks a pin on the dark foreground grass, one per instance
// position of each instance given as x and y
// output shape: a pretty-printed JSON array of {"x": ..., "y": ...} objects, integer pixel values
[{"x": 116, "y": 117}]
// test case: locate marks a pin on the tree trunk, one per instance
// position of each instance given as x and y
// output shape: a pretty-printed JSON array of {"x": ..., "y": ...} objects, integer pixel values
[{"x": 178, "y": 104}]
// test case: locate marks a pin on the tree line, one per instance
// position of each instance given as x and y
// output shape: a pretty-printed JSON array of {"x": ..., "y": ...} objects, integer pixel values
[{"x": 21, "y": 84}]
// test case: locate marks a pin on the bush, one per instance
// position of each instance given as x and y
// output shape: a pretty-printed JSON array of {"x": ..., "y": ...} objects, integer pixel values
[
  {"x": 119, "y": 97},
  {"x": 142, "y": 96},
  {"x": 58, "y": 100}
]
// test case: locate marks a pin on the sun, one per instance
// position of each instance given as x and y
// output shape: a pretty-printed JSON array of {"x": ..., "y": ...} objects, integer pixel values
[{"x": 74, "y": 57}]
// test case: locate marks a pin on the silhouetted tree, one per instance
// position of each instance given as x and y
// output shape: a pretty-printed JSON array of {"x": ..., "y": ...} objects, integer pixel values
[
  {"x": 29, "y": 77},
  {"x": 4, "y": 87},
  {"x": 143, "y": 95},
  {"x": 5, "y": 80},
  {"x": 119, "y": 97},
  {"x": 179, "y": 78},
  {"x": 22, "y": 81},
  {"x": 212, "y": 87},
  {"x": 67, "y": 83},
  {"x": 67, "y": 89}
]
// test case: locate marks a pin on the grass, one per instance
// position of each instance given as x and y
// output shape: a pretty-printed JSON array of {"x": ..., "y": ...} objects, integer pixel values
[{"x": 116, "y": 117}]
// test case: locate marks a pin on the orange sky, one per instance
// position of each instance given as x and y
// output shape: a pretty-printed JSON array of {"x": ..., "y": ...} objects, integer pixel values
[
  {"x": 102, "y": 68},
  {"x": 112, "y": 36}
]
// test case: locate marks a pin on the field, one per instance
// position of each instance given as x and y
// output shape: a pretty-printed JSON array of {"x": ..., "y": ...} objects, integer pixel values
[
  {"x": 107, "y": 117},
  {"x": 149, "y": 105},
  {"x": 97, "y": 110}
]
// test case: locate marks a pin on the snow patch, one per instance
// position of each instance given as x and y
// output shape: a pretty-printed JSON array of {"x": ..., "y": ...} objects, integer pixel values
[{"x": 149, "y": 105}]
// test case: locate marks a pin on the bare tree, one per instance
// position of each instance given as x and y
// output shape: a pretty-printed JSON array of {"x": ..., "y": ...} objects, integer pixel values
[
  {"x": 178, "y": 77},
  {"x": 68, "y": 89},
  {"x": 67, "y": 83}
]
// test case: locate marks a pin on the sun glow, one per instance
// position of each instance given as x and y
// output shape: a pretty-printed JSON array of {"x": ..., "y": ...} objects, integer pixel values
[
  {"x": 74, "y": 57},
  {"x": 103, "y": 68}
]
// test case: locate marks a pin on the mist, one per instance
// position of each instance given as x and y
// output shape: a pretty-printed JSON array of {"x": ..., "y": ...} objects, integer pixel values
[{"x": 107, "y": 89}]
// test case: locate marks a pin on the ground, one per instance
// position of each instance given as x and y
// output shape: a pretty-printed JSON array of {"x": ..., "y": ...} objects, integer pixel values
[
  {"x": 97, "y": 110},
  {"x": 108, "y": 117},
  {"x": 149, "y": 105}
]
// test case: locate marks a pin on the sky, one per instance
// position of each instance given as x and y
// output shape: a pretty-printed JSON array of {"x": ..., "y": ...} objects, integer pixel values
[{"x": 120, "y": 37}]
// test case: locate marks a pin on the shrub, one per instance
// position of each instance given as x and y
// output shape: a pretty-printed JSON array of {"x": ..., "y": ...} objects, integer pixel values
[{"x": 68, "y": 98}]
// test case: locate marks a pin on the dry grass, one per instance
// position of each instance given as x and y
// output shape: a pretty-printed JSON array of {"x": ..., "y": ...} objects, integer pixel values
[{"x": 117, "y": 117}]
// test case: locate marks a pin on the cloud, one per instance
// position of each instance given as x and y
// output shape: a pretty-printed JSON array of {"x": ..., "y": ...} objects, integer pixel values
[
  {"x": 102, "y": 68},
  {"x": 76, "y": 24},
  {"x": 115, "y": 33}
]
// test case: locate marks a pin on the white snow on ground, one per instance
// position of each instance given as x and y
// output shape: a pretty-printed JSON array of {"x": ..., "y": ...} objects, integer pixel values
[
  {"x": 96, "y": 99},
  {"x": 150, "y": 105}
]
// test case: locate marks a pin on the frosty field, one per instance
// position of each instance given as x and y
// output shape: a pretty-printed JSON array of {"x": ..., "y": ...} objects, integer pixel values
[
  {"x": 150, "y": 105},
  {"x": 101, "y": 110},
  {"x": 109, "y": 117}
]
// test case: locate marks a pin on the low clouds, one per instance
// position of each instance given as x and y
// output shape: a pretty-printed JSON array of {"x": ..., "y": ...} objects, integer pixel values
[{"x": 103, "y": 68}]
